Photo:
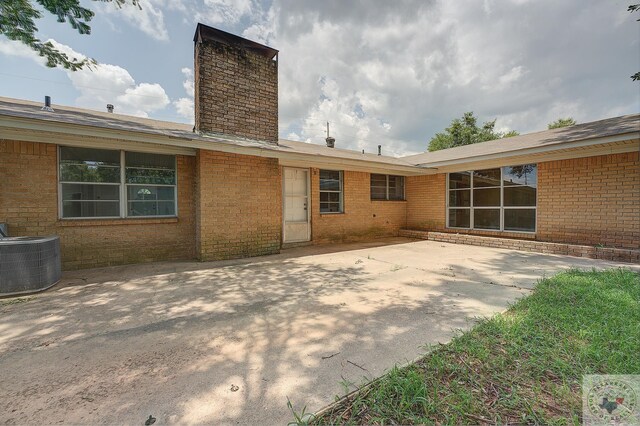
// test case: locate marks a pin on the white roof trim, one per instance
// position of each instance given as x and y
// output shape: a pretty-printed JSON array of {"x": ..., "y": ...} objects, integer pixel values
[
  {"x": 31, "y": 130},
  {"x": 532, "y": 151}
]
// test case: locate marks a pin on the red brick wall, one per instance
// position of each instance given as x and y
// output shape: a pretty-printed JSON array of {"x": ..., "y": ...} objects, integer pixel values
[
  {"x": 29, "y": 204},
  {"x": 594, "y": 200},
  {"x": 362, "y": 218},
  {"x": 239, "y": 204}
]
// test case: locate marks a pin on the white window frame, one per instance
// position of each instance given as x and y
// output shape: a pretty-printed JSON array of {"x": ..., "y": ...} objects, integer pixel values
[
  {"x": 332, "y": 191},
  {"x": 123, "y": 185},
  {"x": 404, "y": 196},
  {"x": 502, "y": 207}
]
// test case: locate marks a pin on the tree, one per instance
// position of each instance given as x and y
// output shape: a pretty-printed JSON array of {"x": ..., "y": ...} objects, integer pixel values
[
  {"x": 465, "y": 131},
  {"x": 634, "y": 8},
  {"x": 17, "y": 22},
  {"x": 561, "y": 122}
]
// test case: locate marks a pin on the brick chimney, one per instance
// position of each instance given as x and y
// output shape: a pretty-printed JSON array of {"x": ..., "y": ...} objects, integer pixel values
[{"x": 236, "y": 85}]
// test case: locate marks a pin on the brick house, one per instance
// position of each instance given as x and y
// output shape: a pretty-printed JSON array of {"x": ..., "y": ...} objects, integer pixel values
[{"x": 120, "y": 189}]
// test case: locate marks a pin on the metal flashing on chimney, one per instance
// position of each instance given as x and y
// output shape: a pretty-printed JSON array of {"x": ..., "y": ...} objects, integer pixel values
[{"x": 207, "y": 33}]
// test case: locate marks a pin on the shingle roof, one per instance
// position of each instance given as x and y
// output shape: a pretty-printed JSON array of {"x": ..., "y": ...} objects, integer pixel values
[
  {"x": 544, "y": 139},
  {"x": 322, "y": 150},
  {"x": 182, "y": 133}
]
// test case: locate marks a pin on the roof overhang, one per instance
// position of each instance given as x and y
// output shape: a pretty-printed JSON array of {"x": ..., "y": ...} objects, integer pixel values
[
  {"x": 60, "y": 133},
  {"x": 626, "y": 142},
  {"x": 72, "y": 134}
]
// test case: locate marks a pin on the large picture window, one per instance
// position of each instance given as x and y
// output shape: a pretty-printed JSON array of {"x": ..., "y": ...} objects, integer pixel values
[
  {"x": 331, "y": 191},
  {"x": 387, "y": 187},
  {"x": 501, "y": 199},
  {"x": 98, "y": 183}
]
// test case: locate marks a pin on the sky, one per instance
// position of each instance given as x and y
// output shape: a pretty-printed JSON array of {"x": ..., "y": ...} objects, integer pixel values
[{"x": 383, "y": 72}]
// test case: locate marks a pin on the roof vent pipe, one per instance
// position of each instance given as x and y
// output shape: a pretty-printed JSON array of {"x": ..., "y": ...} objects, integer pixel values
[
  {"x": 109, "y": 108},
  {"x": 47, "y": 104},
  {"x": 331, "y": 142},
  {"x": 379, "y": 149}
]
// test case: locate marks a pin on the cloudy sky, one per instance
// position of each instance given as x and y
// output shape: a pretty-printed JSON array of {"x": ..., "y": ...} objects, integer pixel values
[{"x": 381, "y": 72}]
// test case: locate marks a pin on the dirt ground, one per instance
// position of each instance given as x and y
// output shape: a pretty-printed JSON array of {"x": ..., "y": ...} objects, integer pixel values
[{"x": 229, "y": 342}]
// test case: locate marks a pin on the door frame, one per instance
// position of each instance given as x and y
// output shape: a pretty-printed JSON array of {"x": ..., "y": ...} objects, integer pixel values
[{"x": 284, "y": 204}]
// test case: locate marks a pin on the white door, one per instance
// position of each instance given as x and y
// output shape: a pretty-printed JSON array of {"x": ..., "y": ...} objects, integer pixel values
[{"x": 296, "y": 205}]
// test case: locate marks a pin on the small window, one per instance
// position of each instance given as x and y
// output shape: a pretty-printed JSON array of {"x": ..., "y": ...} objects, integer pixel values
[
  {"x": 387, "y": 187},
  {"x": 331, "y": 191}
]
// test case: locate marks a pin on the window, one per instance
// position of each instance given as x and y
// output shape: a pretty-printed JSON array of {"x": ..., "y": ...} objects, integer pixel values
[
  {"x": 331, "y": 191},
  {"x": 387, "y": 187},
  {"x": 94, "y": 181},
  {"x": 151, "y": 184},
  {"x": 90, "y": 182},
  {"x": 501, "y": 199}
]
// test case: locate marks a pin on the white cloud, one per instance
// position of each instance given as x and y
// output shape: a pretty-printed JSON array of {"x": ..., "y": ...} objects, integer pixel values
[
  {"x": 350, "y": 122},
  {"x": 185, "y": 106},
  {"x": 225, "y": 11},
  {"x": 104, "y": 84},
  {"x": 511, "y": 76},
  {"x": 416, "y": 65},
  {"x": 188, "y": 82},
  {"x": 395, "y": 73},
  {"x": 101, "y": 84},
  {"x": 148, "y": 18},
  {"x": 16, "y": 48},
  {"x": 143, "y": 98}
]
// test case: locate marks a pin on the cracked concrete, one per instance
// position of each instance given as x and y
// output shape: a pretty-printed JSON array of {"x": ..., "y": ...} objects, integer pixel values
[{"x": 228, "y": 342}]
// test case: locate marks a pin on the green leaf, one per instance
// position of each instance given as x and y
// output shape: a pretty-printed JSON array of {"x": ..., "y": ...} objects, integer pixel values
[
  {"x": 17, "y": 22},
  {"x": 465, "y": 131}
]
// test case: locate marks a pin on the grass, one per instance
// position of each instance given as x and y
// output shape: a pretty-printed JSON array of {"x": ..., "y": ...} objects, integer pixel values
[
  {"x": 524, "y": 366},
  {"x": 15, "y": 301}
]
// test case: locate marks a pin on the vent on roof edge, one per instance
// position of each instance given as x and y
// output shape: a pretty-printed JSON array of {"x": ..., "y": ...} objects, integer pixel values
[
  {"x": 331, "y": 142},
  {"x": 47, "y": 104}
]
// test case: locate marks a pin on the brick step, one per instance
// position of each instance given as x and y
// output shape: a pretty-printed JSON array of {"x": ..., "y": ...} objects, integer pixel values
[{"x": 605, "y": 253}]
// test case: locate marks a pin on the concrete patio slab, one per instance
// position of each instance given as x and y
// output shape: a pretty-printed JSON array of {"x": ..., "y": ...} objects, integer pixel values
[{"x": 228, "y": 342}]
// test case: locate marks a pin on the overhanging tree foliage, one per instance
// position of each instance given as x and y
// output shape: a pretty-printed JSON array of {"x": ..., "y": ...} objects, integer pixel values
[
  {"x": 465, "y": 131},
  {"x": 17, "y": 22}
]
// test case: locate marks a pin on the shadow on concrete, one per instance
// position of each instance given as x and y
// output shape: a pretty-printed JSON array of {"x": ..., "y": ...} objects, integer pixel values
[{"x": 176, "y": 339}]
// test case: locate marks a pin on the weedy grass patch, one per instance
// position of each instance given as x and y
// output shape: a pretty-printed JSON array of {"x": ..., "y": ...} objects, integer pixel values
[{"x": 521, "y": 366}]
